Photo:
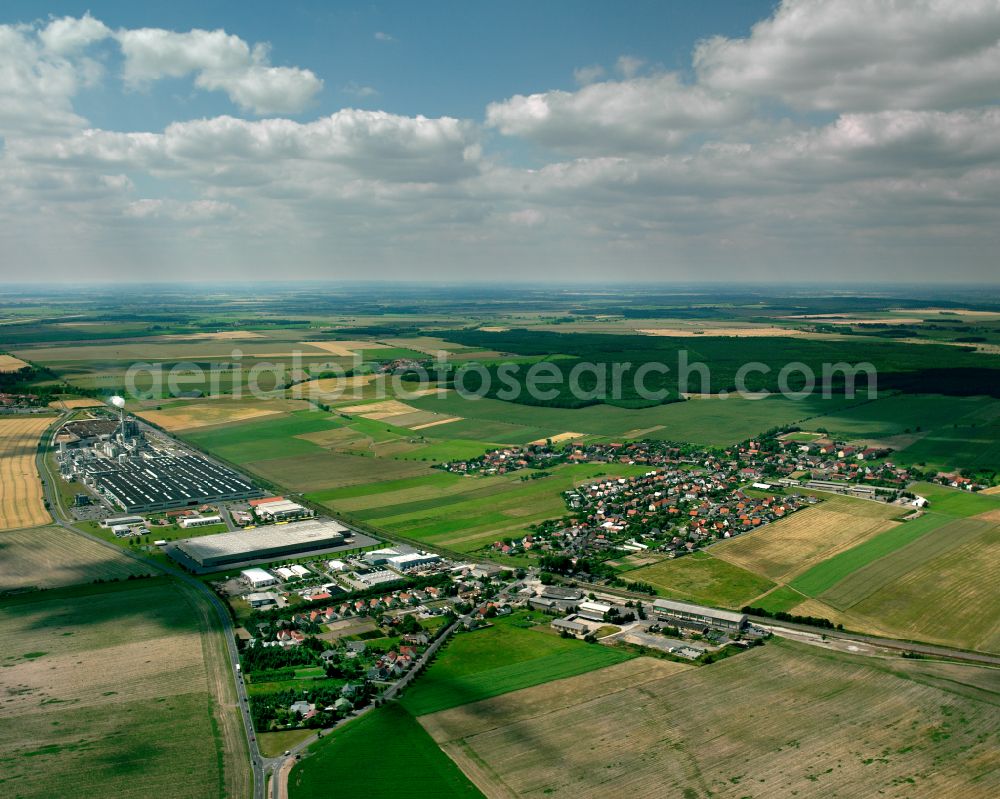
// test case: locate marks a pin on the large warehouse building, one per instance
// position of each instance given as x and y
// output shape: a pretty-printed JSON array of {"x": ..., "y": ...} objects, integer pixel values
[
  {"x": 698, "y": 616},
  {"x": 262, "y": 543},
  {"x": 144, "y": 483}
]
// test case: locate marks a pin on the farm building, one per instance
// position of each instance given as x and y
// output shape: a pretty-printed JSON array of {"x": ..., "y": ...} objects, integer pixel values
[
  {"x": 258, "y": 578},
  {"x": 698, "y": 616},
  {"x": 262, "y": 543},
  {"x": 561, "y": 594},
  {"x": 569, "y": 626},
  {"x": 594, "y": 611}
]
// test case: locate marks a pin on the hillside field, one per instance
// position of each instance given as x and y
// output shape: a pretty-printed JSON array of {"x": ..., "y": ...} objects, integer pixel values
[{"x": 839, "y": 726}]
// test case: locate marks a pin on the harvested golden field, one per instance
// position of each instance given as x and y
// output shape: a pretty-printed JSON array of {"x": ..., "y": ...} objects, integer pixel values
[
  {"x": 332, "y": 388},
  {"x": 782, "y": 720},
  {"x": 787, "y": 547},
  {"x": 560, "y": 438},
  {"x": 20, "y": 488},
  {"x": 8, "y": 363},
  {"x": 951, "y": 599},
  {"x": 345, "y": 348},
  {"x": 214, "y": 412},
  {"x": 72, "y": 404},
  {"x": 50, "y": 557},
  {"x": 380, "y": 410},
  {"x": 540, "y": 700},
  {"x": 436, "y": 422}
]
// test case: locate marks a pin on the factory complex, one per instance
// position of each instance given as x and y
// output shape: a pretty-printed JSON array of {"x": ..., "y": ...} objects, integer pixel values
[
  {"x": 261, "y": 543},
  {"x": 116, "y": 461}
]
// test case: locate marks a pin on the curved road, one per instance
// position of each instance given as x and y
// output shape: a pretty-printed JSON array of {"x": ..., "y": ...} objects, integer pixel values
[{"x": 260, "y": 766}]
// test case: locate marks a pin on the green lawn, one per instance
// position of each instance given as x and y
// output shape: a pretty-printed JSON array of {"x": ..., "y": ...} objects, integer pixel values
[
  {"x": 702, "y": 578},
  {"x": 825, "y": 575},
  {"x": 385, "y": 753},
  {"x": 505, "y": 657}
]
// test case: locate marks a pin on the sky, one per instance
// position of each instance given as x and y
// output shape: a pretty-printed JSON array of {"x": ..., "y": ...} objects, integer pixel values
[{"x": 564, "y": 141}]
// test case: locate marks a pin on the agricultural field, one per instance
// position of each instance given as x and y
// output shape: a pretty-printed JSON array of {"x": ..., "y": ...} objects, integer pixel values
[
  {"x": 51, "y": 557},
  {"x": 930, "y": 430},
  {"x": 839, "y": 726},
  {"x": 939, "y": 586},
  {"x": 507, "y": 656},
  {"x": 116, "y": 690},
  {"x": 412, "y": 765},
  {"x": 465, "y": 514},
  {"x": 709, "y": 421},
  {"x": 788, "y": 546},
  {"x": 21, "y": 501},
  {"x": 8, "y": 363},
  {"x": 181, "y": 416},
  {"x": 822, "y": 576},
  {"x": 699, "y": 577},
  {"x": 952, "y": 502}
]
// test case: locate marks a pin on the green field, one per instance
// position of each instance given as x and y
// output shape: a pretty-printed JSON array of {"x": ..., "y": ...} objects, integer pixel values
[
  {"x": 928, "y": 430},
  {"x": 506, "y": 656},
  {"x": 952, "y": 502},
  {"x": 781, "y": 600},
  {"x": 108, "y": 694},
  {"x": 467, "y": 513},
  {"x": 828, "y": 573},
  {"x": 712, "y": 422},
  {"x": 702, "y": 578},
  {"x": 265, "y": 438},
  {"x": 385, "y": 754},
  {"x": 862, "y": 582}
]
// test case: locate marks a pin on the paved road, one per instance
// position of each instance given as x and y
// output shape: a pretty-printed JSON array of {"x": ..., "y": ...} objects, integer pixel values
[{"x": 259, "y": 765}]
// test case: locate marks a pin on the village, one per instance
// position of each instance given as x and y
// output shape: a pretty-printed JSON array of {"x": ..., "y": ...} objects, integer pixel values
[{"x": 692, "y": 496}]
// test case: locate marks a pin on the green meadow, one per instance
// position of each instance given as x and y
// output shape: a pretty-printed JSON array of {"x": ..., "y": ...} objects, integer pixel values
[
  {"x": 409, "y": 764},
  {"x": 507, "y": 656},
  {"x": 702, "y": 578}
]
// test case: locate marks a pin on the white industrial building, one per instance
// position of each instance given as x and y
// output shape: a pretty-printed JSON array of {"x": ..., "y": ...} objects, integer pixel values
[
  {"x": 271, "y": 542},
  {"x": 258, "y": 578},
  {"x": 593, "y": 611},
  {"x": 279, "y": 509},
  {"x": 413, "y": 560},
  {"x": 263, "y": 599},
  {"x": 376, "y": 557},
  {"x": 698, "y": 616},
  {"x": 199, "y": 521}
]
